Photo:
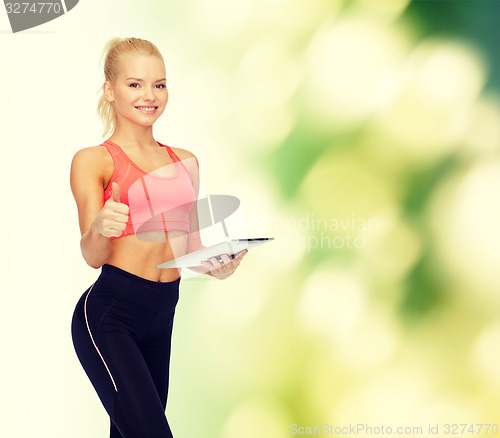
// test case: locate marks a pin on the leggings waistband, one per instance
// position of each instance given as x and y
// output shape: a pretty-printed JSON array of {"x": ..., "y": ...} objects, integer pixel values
[{"x": 139, "y": 281}]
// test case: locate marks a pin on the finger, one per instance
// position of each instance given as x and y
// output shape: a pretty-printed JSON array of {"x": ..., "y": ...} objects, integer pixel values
[
  {"x": 207, "y": 265},
  {"x": 115, "y": 192},
  {"x": 237, "y": 260},
  {"x": 116, "y": 225},
  {"x": 222, "y": 257},
  {"x": 240, "y": 254},
  {"x": 226, "y": 259},
  {"x": 119, "y": 217},
  {"x": 120, "y": 209},
  {"x": 215, "y": 262},
  {"x": 216, "y": 271},
  {"x": 113, "y": 232}
]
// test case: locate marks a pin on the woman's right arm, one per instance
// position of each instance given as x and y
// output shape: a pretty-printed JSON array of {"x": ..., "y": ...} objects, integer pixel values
[{"x": 97, "y": 222}]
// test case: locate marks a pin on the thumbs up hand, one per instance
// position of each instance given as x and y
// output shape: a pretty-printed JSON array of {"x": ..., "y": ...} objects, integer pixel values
[{"x": 113, "y": 217}]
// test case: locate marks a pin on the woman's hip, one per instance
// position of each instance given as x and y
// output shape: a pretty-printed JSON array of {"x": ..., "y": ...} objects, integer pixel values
[{"x": 120, "y": 298}]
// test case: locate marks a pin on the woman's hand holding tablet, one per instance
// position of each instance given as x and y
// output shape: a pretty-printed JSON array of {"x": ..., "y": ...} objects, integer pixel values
[{"x": 223, "y": 266}]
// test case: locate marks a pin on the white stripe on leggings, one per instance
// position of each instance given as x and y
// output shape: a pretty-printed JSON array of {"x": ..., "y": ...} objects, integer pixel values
[{"x": 90, "y": 333}]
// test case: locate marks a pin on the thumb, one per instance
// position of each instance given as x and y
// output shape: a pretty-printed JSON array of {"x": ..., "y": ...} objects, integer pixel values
[{"x": 115, "y": 192}]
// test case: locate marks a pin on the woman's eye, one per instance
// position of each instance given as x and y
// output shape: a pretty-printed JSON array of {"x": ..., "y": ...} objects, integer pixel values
[{"x": 159, "y": 85}]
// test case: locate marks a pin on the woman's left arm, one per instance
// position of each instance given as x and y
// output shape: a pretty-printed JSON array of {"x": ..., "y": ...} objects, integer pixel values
[{"x": 214, "y": 268}]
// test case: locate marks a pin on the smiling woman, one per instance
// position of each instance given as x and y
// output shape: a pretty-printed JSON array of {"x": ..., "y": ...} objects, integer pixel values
[
  {"x": 133, "y": 185},
  {"x": 133, "y": 81}
]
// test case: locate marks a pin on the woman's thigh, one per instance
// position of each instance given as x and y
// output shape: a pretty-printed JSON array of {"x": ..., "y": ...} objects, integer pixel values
[{"x": 109, "y": 352}]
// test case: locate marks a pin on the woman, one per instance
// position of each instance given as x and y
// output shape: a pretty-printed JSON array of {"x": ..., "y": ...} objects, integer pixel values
[{"x": 122, "y": 324}]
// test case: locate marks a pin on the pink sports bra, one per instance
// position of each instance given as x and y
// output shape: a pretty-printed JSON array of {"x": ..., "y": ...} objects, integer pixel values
[{"x": 156, "y": 203}]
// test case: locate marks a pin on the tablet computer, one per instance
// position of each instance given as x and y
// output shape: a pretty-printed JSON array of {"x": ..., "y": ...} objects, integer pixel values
[{"x": 230, "y": 248}]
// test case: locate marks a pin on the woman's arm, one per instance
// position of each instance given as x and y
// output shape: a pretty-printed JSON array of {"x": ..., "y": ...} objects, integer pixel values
[
  {"x": 87, "y": 179},
  {"x": 215, "y": 268},
  {"x": 194, "y": 239}
]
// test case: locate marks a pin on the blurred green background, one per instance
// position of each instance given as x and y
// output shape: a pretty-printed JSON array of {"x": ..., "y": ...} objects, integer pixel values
[
  {"x": 373, "y": 130},
  {"x": 362, "y": 134}
]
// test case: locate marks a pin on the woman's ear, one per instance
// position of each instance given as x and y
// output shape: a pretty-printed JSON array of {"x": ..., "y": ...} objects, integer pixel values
[{"x": 108, "y": 91}]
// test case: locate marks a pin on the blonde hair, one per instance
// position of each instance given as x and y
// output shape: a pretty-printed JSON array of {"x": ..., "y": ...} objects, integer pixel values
[{"x": 113, "y": 50}]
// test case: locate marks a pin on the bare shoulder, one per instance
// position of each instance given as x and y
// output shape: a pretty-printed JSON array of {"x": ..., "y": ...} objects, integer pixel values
[
  {"x": 92, "y": 156},
  {"x": 92, "y": 163},
  {"x": 184, "y": 154}
]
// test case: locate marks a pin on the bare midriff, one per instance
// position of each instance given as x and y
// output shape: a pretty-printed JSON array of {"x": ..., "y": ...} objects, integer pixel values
[{"x": 141, "y": 253}]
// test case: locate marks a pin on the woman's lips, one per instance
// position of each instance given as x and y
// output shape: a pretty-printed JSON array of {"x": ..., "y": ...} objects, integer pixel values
[{"x": 143, "y": 109}]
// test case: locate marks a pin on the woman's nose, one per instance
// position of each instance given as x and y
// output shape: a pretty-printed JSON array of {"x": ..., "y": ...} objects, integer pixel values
[{"x": 148, "y": 94}]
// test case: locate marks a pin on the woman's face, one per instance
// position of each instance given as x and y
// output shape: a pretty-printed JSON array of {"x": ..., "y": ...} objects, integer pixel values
[{"x": 140, "y": 93}]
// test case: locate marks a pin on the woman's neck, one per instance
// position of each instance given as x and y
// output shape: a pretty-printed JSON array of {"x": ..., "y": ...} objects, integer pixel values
[{"x": 138, "y": 136}]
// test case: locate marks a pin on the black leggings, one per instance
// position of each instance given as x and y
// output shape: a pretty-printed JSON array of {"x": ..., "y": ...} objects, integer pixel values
[{"x": 121, "y": 330}]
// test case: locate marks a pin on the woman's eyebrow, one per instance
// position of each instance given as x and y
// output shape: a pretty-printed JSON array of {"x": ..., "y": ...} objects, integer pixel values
[{"x": 140, "y": 80}]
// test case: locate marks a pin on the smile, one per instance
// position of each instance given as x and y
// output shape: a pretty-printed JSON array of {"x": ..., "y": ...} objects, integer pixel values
[{"x": 147, "y": 109}]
